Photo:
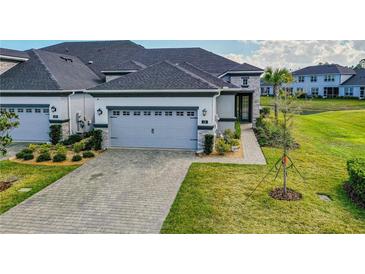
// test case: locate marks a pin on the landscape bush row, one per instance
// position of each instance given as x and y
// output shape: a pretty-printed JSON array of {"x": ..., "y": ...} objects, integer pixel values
[{"x": 355, "y": 187}]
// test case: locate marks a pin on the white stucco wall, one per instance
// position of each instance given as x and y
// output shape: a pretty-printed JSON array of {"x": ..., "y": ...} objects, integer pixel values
[
  {"x": 84, "y": 105},
  {"x": 225, "y": 106}
]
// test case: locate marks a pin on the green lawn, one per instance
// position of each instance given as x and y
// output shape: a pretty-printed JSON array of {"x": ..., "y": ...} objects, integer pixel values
[
  {"x": 29, "y": 176},
  {"x": 320, "y": 105},
  {"x": 211, "y": 198}
]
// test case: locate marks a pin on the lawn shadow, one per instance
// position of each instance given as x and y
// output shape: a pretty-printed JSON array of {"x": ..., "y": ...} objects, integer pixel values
[{"x": 348, "y": 204}]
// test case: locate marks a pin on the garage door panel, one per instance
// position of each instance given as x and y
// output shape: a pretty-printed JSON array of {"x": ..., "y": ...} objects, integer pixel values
[{"x": 153, "y": 131}]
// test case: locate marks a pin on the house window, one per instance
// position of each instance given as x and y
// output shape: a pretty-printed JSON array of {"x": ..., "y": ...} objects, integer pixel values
[
  {"x": 300, "y": 90},
  {"x": 116, "y": 112},
  {"x": 28, "y": 110},
  {"x": 137, "y": 113},
  {"x": 45, "y": 110},
  {"x": 125, "y": 113},
  {"x": 11, "y": 110},
  {"x": 301, "y": 79},
  {"x": 2, "y": 109},
  {"x": 349, "y": 91},
  {"x": 179, "y": 113},
  {"x": 147, "y": 113},
  {"x": 362, "y": 92},
  {"x": 190, "y": 113},
  {"x": 37, "y": 110},
  {"x": 329, "y": 78},
  {"x": 168, "y": 113},
  {"x": 20, "y": 110},
  {"x": 313, "y": 78},
  {"x": 244, "y": 81},
  {"x": 158, "y": 113},
  {"x": 315, "y": 92}
]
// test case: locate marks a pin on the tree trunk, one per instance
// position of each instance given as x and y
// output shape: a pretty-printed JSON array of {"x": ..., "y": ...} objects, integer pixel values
[
  {"x": 285, "y": 173},
  {"x": 276, "y": 104}
]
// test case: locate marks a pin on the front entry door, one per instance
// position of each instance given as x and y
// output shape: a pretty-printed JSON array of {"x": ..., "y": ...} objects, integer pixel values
[{"x": 244, "y": 107}]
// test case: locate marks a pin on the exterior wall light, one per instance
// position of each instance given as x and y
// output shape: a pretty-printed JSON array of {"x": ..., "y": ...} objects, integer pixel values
[
  {"x": 204, "y": 112},
  {"x": 99, "y": 111},
  {"x": 53, "y": 109}
]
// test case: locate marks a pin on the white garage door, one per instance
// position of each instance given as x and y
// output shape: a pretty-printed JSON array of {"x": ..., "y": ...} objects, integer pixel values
[
  {"x": 157, "y": 128},
  {"x": 33, "y": 124}
]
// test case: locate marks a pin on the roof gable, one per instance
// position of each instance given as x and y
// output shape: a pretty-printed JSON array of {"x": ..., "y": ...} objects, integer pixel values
[{"x": 357, "y": 80}]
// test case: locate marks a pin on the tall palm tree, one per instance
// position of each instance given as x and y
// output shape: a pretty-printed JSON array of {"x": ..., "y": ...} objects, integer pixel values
[{"x": 277, "y": 78}]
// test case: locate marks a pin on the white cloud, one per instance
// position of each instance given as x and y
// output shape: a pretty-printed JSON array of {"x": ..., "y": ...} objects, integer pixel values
[{"x": 295, "y": 54}]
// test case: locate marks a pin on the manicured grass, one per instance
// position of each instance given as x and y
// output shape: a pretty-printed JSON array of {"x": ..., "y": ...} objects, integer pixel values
[
  {"x": 29, "y": 176},
  {"x": 212, "y": 196},
  {"x": 320, "y": 105}
]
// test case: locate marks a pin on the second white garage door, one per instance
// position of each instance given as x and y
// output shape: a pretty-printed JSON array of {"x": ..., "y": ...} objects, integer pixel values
[{"x": 157, "y": 128}]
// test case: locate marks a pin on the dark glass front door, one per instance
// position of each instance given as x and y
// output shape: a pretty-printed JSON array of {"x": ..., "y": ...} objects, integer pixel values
[{"x": 243, "y": 107}]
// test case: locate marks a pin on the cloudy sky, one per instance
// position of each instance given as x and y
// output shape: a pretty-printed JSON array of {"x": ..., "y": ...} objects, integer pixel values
[{"x": 292, "y": 54}]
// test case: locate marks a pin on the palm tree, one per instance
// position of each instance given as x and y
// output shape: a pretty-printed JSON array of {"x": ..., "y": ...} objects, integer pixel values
[{"x": 276, "y": 78}]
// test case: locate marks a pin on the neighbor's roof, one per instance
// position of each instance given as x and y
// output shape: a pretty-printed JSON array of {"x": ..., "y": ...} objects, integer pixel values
[
  {"x": 161, "y": 76},
  {"x": 49, "y": 71},
  {"x": 245, "y": 67},
  {"x": 13, "y": 53},
  {"x": 98, "y": 55},
  {"x": 356, "y": 80},
  {"x": 324, "y": 69}
]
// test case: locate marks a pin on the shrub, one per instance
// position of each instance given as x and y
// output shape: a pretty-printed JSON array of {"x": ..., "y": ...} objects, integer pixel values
[
  {"x": 265, "y": 112},
  {"x": 27, "y": 151},
  {"x": 221, "y": 146},
  {"x": 89, "y": 143},
  {"x": 356, "y": 185},
  {"x": 43, "y": 157},
  {"x": 77, "y": 147},
  {"x": 237, "y": 130},
  {"x": 28, "y": 156},
  {"x": 61, "y": 149},
  {"x": 235, "y": 142},
  {"x": 98, "y": 139},
  {"x": 44, "y": 148},
  {"x": 88, "y": 154},
  {"x": 76, "y": 158},
  {"x": 55, "y": 133},
  {"x": 59, "y": 157},
  {"x": 74, "y": 138},
  {"x": 33, "y": 147},
  {"x": 208, "y": 143},
  {"x": 20, "y": 155}
]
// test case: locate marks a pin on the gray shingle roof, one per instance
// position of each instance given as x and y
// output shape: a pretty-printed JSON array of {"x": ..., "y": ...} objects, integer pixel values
[
  {"x": 356, "y": 80},
  {"x": 245, "y": 67},
  {"x": 102, "y": 54},
  {"x": 206, "y": 76},
  {"x": 161, "y": 76},
  {"x": 324, "y": 69},
  {"x": 13, "y": 53},
  {"x": 129, "y": 65},
  {"x": 49, "y": 71}
]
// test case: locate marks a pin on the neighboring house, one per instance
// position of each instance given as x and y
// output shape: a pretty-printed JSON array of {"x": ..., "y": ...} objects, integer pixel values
[
  {"x": 10, "y": 58},
  {"x": 266, "y": 88},
  {"x": 157, "y": 98},
  {"x": 355, "y": 86},
  {"x": 327, "y": 81}
]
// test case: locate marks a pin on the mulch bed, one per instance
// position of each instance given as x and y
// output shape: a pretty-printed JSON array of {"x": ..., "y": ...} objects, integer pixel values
[
  {"x": 353, "y": 196},
  {"x": 291, "y": 195}
]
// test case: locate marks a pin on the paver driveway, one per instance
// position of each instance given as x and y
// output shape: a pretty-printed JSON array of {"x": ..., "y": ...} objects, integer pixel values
[{"x": 121, "y": 191}]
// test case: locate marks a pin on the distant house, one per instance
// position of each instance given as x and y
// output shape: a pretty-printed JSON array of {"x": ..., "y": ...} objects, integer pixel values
[
  {"x": 326, "y": 81},
  {"x": 10, "y": 58}
]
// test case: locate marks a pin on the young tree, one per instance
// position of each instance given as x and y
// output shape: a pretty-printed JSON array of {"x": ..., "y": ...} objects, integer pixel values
[
  {"x": 277, "y": 78},
  {"x": 288, "y": 108},
  {"x": 8, "y": 121}
]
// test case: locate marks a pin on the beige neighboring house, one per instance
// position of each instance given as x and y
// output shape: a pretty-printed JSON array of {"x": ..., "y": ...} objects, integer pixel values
[{"x": 10, "y": 58}]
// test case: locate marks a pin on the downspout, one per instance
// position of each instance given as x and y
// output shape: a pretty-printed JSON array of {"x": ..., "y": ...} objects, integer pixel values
[
  {"x": 215, "y": 109},
  {"x": 69, "y": 112}
]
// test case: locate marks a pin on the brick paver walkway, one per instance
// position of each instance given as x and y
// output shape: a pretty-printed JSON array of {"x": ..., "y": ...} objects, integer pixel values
[{"x": 121, "y": 191}]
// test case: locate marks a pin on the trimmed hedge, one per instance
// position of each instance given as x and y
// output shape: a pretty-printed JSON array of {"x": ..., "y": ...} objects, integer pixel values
[
  {"x": 76, "y": 158},
  {"x": 98, "y": 139},
  {"x": 208, "y": 143},
  {"x": 356, "y": 184},
  {"x": 88, "y": 154},
  {"x": 44, "y": 157},
  {"x": 55, "y": 134},
  {"x": 72, "y": 139},
  {"x": 28, "y": 156},
  {"x": 59, "y": 157}
]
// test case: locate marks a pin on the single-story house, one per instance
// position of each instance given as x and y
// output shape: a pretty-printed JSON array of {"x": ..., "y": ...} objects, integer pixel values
[{"x": 139, "y": 98}]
